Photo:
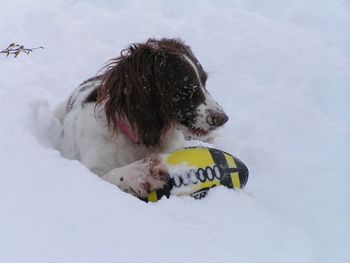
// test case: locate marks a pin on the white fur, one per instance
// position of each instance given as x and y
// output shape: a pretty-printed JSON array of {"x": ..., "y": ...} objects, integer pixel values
[{"x": 86, "y": 137}]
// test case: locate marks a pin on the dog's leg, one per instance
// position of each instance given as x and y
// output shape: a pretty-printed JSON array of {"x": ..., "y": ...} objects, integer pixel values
[{"x": 141, "y": 177}]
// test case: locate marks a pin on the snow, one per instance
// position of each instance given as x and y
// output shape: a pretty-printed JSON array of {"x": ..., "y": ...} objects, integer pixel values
[{"x": 280, "y": 70}]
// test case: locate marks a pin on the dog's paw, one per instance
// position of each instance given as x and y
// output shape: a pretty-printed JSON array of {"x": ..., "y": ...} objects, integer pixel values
[{"x": 150, "y": 174}]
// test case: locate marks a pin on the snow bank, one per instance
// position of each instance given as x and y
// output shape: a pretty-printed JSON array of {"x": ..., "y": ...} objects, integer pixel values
[{"x": 281, "y": 71}]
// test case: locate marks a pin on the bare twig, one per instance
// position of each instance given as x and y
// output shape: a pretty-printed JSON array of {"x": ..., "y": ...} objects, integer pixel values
[{"x": 15, "y": 50}]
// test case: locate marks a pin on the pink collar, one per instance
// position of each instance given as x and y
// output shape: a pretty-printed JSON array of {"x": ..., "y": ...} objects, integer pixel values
[{"x": 126, "y": 129}]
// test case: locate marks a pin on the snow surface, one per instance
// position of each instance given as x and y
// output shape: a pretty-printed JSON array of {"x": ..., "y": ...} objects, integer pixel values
[{"x": 281, "y": 70}]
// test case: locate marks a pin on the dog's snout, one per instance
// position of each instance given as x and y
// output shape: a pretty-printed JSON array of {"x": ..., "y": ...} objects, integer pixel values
[{"x": 217, "y": 118}]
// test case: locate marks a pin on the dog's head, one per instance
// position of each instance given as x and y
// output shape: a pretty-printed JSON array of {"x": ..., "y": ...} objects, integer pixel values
[{"x": 158, "y": 85}]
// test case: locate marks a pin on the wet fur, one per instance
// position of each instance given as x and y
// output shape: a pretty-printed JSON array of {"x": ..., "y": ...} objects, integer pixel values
[{"x": 158, "y": 89}]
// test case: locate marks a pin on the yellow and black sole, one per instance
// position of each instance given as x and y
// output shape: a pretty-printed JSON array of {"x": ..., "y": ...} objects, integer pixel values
[{"x": 209, "y": 168}]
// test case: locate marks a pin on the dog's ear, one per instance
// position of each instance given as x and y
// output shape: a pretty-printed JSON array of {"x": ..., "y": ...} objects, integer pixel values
[{"x": 135, "y": 88}]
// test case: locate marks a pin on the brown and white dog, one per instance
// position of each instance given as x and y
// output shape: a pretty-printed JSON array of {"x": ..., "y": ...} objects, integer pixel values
[{"x": 147, "y": 102}]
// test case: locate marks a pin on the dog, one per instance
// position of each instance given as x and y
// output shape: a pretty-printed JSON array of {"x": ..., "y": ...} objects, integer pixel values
[{"x": 145, "y": 103}]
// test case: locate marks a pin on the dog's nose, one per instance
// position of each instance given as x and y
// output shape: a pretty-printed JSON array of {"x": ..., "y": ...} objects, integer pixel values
[{"x": 217, "y": 118}]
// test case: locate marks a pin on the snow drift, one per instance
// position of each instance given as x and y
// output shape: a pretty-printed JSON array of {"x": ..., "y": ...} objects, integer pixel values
[{"x": 281, "y": 71}]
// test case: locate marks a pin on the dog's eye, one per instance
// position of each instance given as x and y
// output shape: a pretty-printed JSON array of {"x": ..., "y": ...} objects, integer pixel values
[
  {"x": 188, "y": 91},
  {"x": 189, "y": 87},
  {"x": 189, "y": 82}
]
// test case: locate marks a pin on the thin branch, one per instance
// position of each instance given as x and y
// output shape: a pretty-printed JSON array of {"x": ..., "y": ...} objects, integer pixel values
[{"x": 15, "y": 50}]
